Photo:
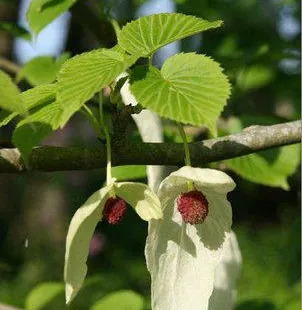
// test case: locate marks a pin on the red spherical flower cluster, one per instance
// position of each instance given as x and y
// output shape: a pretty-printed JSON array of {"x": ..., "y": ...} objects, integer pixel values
[
  {"x": 114, "y": 210},
  {"x": 193, "y": 207}
]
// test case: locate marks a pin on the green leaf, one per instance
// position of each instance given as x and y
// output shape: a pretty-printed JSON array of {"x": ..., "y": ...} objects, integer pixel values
[
  {"x": 40, "y": 70},
  {"x": 31, "y": 98},
  {"x": 43, "y": 295},
  {"x": 254, "y": 77},
  {"x": 123, "y": 173},
  {"x": 41, "y": 12},
  {"x": 189, "y": 88},
  {"x": 145, "y": 35},
  {"x": 6, "y": 117},
  {"x": 84, "y": 75},
  {"x": 33, "y": 129},
  {"x": 62, "y": 58},
  {"x": 39, "y": 95},
  {"x": 15, "y": 30},
  {"x": 10, "y": 98},
  {"x": 122, "y": 300},
  {"x": 271, "y": 167}
]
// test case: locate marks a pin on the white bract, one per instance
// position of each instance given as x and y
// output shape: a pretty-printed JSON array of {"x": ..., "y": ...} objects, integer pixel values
[
  {"x": 83, "y": 224},
  {"x": 150, "y": 128},
  {"x": 226, "y": 275},
  {"x": 182, "y": 258}
]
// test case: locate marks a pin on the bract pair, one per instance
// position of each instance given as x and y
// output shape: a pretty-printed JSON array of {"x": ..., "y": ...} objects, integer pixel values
[{"x": 181, "y": 257}]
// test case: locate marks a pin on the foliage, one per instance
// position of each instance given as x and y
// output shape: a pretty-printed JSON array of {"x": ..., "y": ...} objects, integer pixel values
[
  {"x": 15, "y": 30},
  {"x": 42, "y": 12},
  {"x": 192, "y": 88},
  {"x": 147, "y": 34},
  {"x": 121, "y": 299},
  {"x": 44, "y": 294},
  {"x": 270, "y": 167},
  {"x": 41, "y": 70},
  {"x": 10, "y": 99}
]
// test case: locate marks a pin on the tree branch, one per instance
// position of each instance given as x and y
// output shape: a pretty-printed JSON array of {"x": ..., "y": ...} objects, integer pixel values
[
  {"x": 250, "y": 140},
  {"x": 9, "y": 66}
]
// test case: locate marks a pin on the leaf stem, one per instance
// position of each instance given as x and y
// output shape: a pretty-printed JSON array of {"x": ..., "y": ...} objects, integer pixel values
[
  {"x": 95, "y": 123},
  {"x": 116, "y": 27},
  {"x": 187, "y": 152}
]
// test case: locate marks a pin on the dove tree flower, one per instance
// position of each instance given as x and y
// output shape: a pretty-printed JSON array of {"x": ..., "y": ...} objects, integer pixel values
[
  {"x": 182, "y": 257},
  {"x": 227, "y": 270},
  {"x": 86, "y": 218},
  {"x": 150, "y": 128},
  {"x": 109, "y": 203}
]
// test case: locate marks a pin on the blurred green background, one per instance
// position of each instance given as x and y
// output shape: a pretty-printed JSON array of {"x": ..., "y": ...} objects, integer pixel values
[{"x": 259, "y": 47}]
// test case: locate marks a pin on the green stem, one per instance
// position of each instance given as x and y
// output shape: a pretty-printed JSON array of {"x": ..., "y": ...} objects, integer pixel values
[
  {"x": 116, "y": 26},
  {"x": 96, "y": 125},
  {"x": 186, "y": 145},
  {"x": 150, "y": 60},
  {"x": 187, "y": 152},
  {"x": 108, "y": 144}
]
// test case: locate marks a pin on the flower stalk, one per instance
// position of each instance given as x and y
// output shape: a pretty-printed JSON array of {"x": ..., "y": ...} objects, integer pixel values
[
  {"x": 187, "y": 152},
  {"x": 109, "y": 179}
]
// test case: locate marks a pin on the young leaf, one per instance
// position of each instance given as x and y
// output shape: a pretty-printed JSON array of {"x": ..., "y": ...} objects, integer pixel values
[
  {"x": 84, "y": 75},
  {"x": 39, "y": 95},
  {"x": 10, "y": 98},
  {"x": 15, "y": 30},
  {"x": 271, "y": 167},
  {"x": 189, "y": 88},
  {"x": 41, "y": 12},
  {"x": 62, "y": 58},
  {"x": 31, "y": 98},
  {"x": 6, "y": 117},
  {"x": 43, "y": 295},
  {"x": 145, "y": 35},
  {"x": 122, "y": 300},
  {"x": 254, "y": 77},
  {"x": 33, "y": 129},
  {"x": 122, "y": 173},
  {"x": 40, "y": 70}
]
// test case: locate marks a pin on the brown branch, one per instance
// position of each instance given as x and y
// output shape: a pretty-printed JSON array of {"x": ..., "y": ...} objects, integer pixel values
[
  {"x": 250, "y": 140},
  {"x": 9, "y": 66}
]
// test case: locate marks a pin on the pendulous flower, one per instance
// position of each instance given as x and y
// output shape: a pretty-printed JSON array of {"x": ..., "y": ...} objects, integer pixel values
[
  {"x": 109, "y": 203},
  {"x": 184, "y": 248}
]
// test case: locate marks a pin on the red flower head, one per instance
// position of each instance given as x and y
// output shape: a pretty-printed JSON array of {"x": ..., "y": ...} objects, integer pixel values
[
  {"x": 114, "y": 210},
  {"x": 193, "y": 207}
]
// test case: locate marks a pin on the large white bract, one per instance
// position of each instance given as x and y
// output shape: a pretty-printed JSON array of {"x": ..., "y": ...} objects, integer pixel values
[
  {"x": 151, "y": 130},
  {"x": 226, "y": 275},
  {"x": 83, "y": 224},
  {"x": 181, "y": 257}
]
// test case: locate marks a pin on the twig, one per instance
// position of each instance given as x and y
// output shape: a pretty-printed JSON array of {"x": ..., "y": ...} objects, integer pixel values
[
  {"x": 251, "y": 140},
  {"x": 9, "y": 66}
]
